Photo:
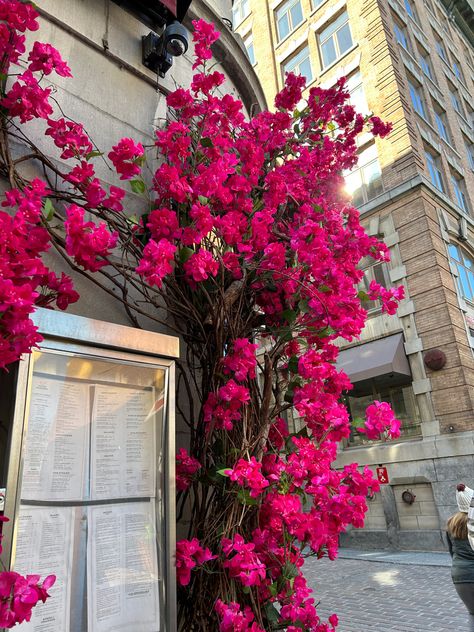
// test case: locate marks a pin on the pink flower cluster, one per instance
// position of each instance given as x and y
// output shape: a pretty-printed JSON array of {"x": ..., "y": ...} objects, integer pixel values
[
  {"x": 389, "y": 298},
  {"x": 248, "y": 474},
  {"x": 241, "y": 363},
  {"x": 90, "y": 245},
  {"x": 189, "y": 555},
  {"x": 19, "y": 594},
  {"x": 24, "y": 279},
  {"x": 380, "y": 419},
  {"x": 234, "y": 619},
  {"x": 223, "y": 408},
  {"x": 186, "y": 468},
  {"x": 126, "y": 157}
]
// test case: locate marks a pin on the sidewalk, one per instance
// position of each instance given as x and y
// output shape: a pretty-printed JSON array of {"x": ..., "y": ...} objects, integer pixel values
[{"x": 415, "y": 558}]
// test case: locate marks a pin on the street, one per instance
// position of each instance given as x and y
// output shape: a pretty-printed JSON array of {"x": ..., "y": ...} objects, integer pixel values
[{"x": 403, "y": 592}]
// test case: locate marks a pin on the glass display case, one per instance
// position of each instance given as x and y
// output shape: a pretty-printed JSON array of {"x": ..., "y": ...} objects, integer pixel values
[{"x": 90, "y": 476}]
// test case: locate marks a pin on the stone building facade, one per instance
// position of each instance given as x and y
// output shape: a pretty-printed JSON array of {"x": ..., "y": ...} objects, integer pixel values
[{"x": 412, "y": 63}]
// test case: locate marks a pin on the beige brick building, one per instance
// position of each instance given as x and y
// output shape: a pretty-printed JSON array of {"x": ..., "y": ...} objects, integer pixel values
[{"x": 412, "y": 63}]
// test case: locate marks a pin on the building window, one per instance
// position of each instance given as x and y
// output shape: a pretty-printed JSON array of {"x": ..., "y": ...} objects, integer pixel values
[
  {"x": 357, "y": 94},
  {"x": 240, "y": 10},
  {"x": 460, "y": 194},
  {"x": 428, "y": 4},
  {"x": 401, "y": 35},
  {"x": 464, "y": 265},
  {"x": 316, "y": 3},
  {"x": 441, "y": 50},
  {"x": 335, "y": 40},
  {"x": 456, "y": 101},
  {"x": 288, "y": 17},
  {"x": 300, "y": 65},
  {"x": 425, "y": 64},
  {"x": 248, "y": 43},
  {"x": 411, "y": 10},
  {"x": 365, "y": 181},
  {"x": 402, "y": 400},
  {"x": 470, "y": 154},
  {"x": 417, "y": 99},
  {"x": 373, "y": 271},
  {"x": 441, "y": 123},
  {"x": 458, "y": 70},
  {"x": 434, "y": 170}
]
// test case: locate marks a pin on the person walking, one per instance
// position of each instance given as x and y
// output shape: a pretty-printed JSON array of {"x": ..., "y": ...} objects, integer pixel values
[{"x": 462, "y": 570}]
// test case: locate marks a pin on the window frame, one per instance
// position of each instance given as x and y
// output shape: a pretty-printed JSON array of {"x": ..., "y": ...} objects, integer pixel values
[
  {"x": 285, "y": 9},
  {"x": 249, "y": 38},
  {"x": 239, "y": 5},
  {"x": 361, "y": 169},
  {"x": 459, "y": 263},
  {"x": 295, "y": 56},
  {"x": 334, "y": 28},
  {"x": 460, "y": 193},
  {"x": 434, "y": 170},
  {"x": 417, "y": 97}
]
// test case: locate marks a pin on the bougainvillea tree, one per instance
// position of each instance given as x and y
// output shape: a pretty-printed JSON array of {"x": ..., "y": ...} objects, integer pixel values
[{"x": 248, "y": 248}]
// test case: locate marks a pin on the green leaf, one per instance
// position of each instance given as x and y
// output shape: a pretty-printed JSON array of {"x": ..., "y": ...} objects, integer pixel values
[
  {"x": 324, "y": 288},
  {"x": 273, "y": 588},
  {"x": 138, "y": 186},
  {"x": 289, "y": 396},
  {"x": 357, "y": 422},
  {"x": 206, "y": 142},
  {"x": 185, "y": 253},
  {"x": 245, "y": 498},
  {"x": 293, "y": 364},
  {"x": 272, "y": 613},
  {"x": 327, "y": 331},
  {"x": 289, "y": 315},
  {"x": 363, "y": 295},
  {"x": 140, "y": 160},
  {"x": 303, "y": 306},
  {"x": 203, "y": 199},
  {"x": 94, "y": 154},
  {"x": 223, "y": 472},
  {"x": 48, "y": 210},
  {"x": 289, "y": 571}
]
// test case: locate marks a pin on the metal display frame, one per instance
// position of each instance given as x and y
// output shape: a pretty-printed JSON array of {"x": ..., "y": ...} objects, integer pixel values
[{"x": 95, "y": 339}]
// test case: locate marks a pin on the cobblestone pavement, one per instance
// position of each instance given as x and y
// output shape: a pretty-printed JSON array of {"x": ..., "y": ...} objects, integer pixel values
[{"x": 377, "y": 596}]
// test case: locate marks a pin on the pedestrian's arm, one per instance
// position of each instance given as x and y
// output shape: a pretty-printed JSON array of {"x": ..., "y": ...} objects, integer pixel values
[
  {"x": 470, "y": 524},
  {"x": 450, "y": 544}
]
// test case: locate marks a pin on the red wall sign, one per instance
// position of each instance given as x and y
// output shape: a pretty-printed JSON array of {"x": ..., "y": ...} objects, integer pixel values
[{"x": 382, "y": 475}]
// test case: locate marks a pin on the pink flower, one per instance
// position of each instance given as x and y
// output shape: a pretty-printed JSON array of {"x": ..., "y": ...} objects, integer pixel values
[
  {"x": 45, "y": 58},
  {"x": 289, "y": 97},
  {"x": 186, "y": 467},
  {"x": 200, "y": 266},
  {"x": 379, "y": 128},
  {"x": 234, "y": 619},
  {"x": 70, "y": 137},
  {"x": 189, "y": 554},
  {"x": 27, "y": 100},
  {"x": 379, "y": 419},
  {"x": 88, "y": 244},
  {"x": 126, "y": 157},
  {"x": 248, "y": 474},
  {"x": 157, "y": 261},
  {"x": 204, "y": 36},
  {"x": 241, "y": 362},
  {"x": 390, "y": 298},
  {"x": 245, "y": 565}
]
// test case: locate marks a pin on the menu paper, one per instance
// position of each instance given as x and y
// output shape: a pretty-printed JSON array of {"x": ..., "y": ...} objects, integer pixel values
[
  {"x": 44, "y": 547},
  {"x": 56, "y": 452},
  {"x": 122, "y": 443},
  {"x": 122, "y": 571}
]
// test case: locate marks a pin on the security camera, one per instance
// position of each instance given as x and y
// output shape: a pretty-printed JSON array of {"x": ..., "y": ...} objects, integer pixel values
[{"x": 159, "y": 50}]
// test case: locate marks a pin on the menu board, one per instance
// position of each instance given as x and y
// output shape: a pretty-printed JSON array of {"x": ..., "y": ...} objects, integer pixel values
[{"x": 88, "y": 497}]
